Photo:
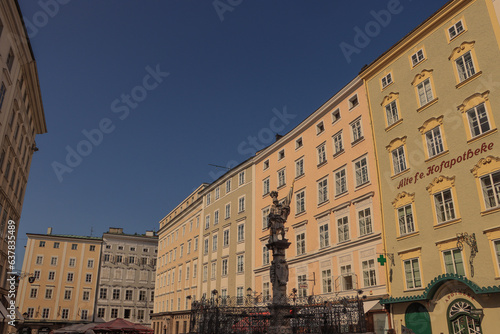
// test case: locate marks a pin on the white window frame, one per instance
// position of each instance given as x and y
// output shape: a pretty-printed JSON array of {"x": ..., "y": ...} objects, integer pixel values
[
  {"x": 321, "y": 150},
  {"x": 413, "y": 276},
  {"x": 465, "y": 66},
  {"x": 398, "y": 156},
  {"x": 300, "y": 239},
  {"x": 300, "y": 201},
  {"x": 320, "y": 128},
  {"x": 434, "y": 141},
  {"x": 324, "y": 235},
  {"x": 454, "y": 261},
  {"x": 241, "y": 204},
  {"x": 336, "y": 112},
  {"x": 365, "y": 222},
  {"x": 299, "y": 142},
  {"x": 341, "y": 182},
  {"x": 361, "y": 171},
  {"x": 240, "y": 263},
  {"x": 425, "y": 93},
  {"x": 392, "y": 112},
  {"x": 491, "y": 191},
  {"x": 417, "y": 57},
  {"x": 445, "y": 207},
  {"x": 343, "y": 228},
  {"x": 241, "y": 178},
  {"x": 455, "y": 29},
  {"x": 281, "y": 177},
  {"x": 386, "y": 80},
  {"x": 228, "y": 186},
  {"x": 326, "y": 281},
  {"x": 409, "y": 226},
  {"x": 299, "y": 167},
  {"x": 265, "y": 214},
  {"x": 241, "y": 232},
  {"x": 281, "y": 155},
  {"x": 323, "y": 190},
  {"x": 356, "y": 130},
  {"x": 480, "y": 114},
  {"x": 266, "y": 186},
  {"x": 353, "y": 102},
  {"x": 225, "y": 238},
  {"x": 227, "y": 211},
  {"x": 369, "y": 273}
]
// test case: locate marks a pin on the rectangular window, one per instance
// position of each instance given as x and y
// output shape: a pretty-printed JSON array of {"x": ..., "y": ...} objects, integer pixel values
[
  {"x": 353, "y": 101},
  {"x": 302, "y": 285},
  {"x": 48, "y": 293},
  {"x": 281, "y": 155},
  {"x": 41, "y": 244},
  {"x": 478, "y": 120},
  {"x": 490, "y": 185},
  {"x": 226, "y": 238},
  {"x": 281, "y": 178},
  {"x": 300, "y": 201},
  {"x": 228, "y": 186},
  {"x": 116, "y": 294},
  {"x": 36, "y": 274},
  {"x": 299, "y": 167},
  {"x": 425, "y": 92},
  {"x": 301, "y": 243},
  {"x": 67, "y": 294},
  {"x": 266, "y": 295},
  {"x": 56, "y": 245},
  {"x": 455, "y": 29},
  {"x": 45, "y": 313},
  {"x": 298, "y": 143},
  {"x": 70, "y": 277},
  {"x": 208, "y": 200},
  {"x": 398, "y": 160},
  {"x": 391, "y": 111},
  {"x": 240, "y": 264},
  {"x": 92, "y": 248},
  {"x": 228, "y": 210},
  {"x": 224, "y": 267},
  {"x": 324, "y": 236},
  {"x": 214, "y": 242},
  {"x": 195, "y": 244},
  {"x": 340, "y": 182},
  {"x": 320, "y": 128},
  {"x": 496, "y": 245},
  {"x": 74, "y": 246},
  {"x": 217, "y": 194},
  {"x": 65, "y": 313},
  {"x": 412, "y": 274},
  {"x": 213, "y": 272},
  {"x": 114, "y": 313},
  {"x": 465, "y": 67},
  {"x": 417, "y": 57},
  {"x": 33, "y": 292},
  {"x": 10, "y": 60},
  {"x": 205, "y": 272},
  {"x": 3, "y": 90},
  {"x": 241, "y": 204},
  {"x": 205, "y": 246},
  {"x": 216, "y": 217},
  {"x": 321, "y": 154},
  {"x": 265, "y": 186},
  {"x": 365, "y": 222},
  {"x": 241, "y": 232},
  {"x": 265, "y": 255},
  {"x": 337, "y": 142},
  {"x": 335, "y": 115},
  {"x": 86, "y": 295},
  {"x": 434, "y": 141},
  {"x": 357, "y": 134},
  {"x": 444, "y": 206},
  {"x": 103, "y": 293},
  {"x": 265, "y": 214},
  {"x": 207, "y": 222},
  {"x": 387, "y": 80},
  {"x": 241, "y": 178},
  {"x": 361, "y": 171},
  {"x": 52, "y": 275},
  {"x": 326, "y": 276},
  {"x": 346, "y": 274},
  {"x": 369, "y": 277},
  {"x": 239, "y": 295},
  {"x": 323, "y": 191},
  {"x": 265, "y": 165},
  {"x": 343, "y": 228},
  {"x": 405, "y": 218},
  {"x": 453, "y": 262},
  {"x": 128, "y": 294},
  {"x": 90, "y": 263},
  {"x": 101, "y": 312}
]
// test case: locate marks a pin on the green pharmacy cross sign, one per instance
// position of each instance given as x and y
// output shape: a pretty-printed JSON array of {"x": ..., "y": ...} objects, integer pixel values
[{"x": 382, "y": 260}]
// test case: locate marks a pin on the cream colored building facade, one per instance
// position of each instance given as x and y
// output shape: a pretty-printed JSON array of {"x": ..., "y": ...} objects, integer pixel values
[
  {"x": 334, "y": 226},
  {"x": 434, "y": 101},
  {"x": 178, "y": 265},
  {"x": 227, "y": 235},
  {"x": 21, "y": 119},
  {"x": 65, "y": 271}
]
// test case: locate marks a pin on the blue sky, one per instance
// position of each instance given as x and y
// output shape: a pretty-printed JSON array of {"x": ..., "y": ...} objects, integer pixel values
[{"x": 175, "y": 85}]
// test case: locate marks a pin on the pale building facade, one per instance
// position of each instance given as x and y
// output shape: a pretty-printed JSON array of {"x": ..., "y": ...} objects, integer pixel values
[
  {"x": 178, "y": 265},
  {"x": 21, "y": 119},
  {"x": 127, "y": 276},
  {"x": 434, "y": 103},
  {"x": 65, "y": 274},
  {"x": 334, "y": 226},
  {"x": 227, "y": 235}
]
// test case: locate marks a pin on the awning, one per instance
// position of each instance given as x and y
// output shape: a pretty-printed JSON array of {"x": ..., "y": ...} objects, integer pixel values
[{"x": 372, "y": 305}]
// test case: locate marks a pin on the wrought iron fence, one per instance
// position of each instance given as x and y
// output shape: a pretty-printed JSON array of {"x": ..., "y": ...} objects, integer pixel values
[{"x": 313, "y": 314}]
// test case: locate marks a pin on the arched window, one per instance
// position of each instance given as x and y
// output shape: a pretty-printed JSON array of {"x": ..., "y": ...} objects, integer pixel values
[{"x": 461, "y": 318}]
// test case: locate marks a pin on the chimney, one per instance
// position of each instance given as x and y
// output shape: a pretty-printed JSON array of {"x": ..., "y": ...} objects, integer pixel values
[
  {"x": 116, "y": 230},
  {"x": 49, "y": 230},
  {"x": 150, "y": 233},
  {"x": 278, "y": 136}
]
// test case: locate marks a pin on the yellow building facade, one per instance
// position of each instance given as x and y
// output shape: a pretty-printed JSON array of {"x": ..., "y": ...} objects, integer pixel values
[
  {"x": 434, "y": 105},
  {"x": 64, "y": 274},
  {"x": 178, "y": 265},
  {"x": 334, "y": 227}
]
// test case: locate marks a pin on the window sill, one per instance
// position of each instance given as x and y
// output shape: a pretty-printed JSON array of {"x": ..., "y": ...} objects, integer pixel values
[
  {"x": 389, "y": 85},
  {"x": 400, "y": 173},
  {"x": 281, "y": 187},
  {"x": 357, "y": 141},
  {"x": 417, "y": 64},
  {"x": 409, "y": 235},
  {"x": 353, "y": 107},
  {"x": 322, "y": 164},
  {"x": 363, "y": 185},
  {"x": 300, "y": 176},
  {"x": 393, "y": 125},
  {"x": 343, "y": 242},
  {"x": 265, "y": 195},
  {"x": 448, "y": 223},
  {"x": 323, "y": 203},
  {"x": 300, "y": 214},
  {"x": 415, "y": 289},
  {"x": 490, "y": 211},
  {"x": 437, "y": 156},
  {"x": 455, "y": 37},
  {"x": 338, "y": 153},
  {"x": 469, "y": 79},
  {"x": 428, "y": 104},
  {"x": 342, "y": 194},
  {"x": 481, "y": 136}
]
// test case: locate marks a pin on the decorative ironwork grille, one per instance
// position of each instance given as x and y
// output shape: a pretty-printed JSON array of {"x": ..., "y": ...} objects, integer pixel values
[{"x": 313, "y": 314}]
